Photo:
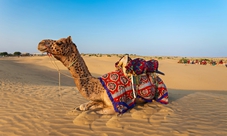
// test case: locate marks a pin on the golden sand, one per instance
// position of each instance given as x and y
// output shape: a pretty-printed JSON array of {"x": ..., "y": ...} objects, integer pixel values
[{"x": 30, "y": 101}]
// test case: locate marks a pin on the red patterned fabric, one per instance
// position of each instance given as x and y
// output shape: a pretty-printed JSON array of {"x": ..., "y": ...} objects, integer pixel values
[
  {"x": 140, "y": 66},
  {"x": 137, "y": 66},
  {"x": 119, "y": 90},
  {"x": 161, "y": 94},
  {"x": 146, "y": 90}
]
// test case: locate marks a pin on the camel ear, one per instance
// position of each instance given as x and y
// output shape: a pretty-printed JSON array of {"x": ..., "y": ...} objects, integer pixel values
[{"x": 69, "y": 39}]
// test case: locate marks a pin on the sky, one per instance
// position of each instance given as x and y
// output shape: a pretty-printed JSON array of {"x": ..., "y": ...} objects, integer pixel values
[{"x": 187, "y": 28}]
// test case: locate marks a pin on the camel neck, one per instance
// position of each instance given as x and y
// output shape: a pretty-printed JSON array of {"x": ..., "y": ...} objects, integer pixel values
[
  {"x": 83, "y": 79},
  {"x": 79, "y": 69}
]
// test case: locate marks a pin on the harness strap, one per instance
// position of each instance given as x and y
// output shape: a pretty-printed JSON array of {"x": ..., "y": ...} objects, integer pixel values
[
  {"x": 72, "y": 64},
  {"x": 133, "y": 86}
]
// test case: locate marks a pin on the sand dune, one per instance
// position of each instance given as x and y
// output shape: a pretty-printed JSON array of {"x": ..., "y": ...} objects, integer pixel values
[{"x": 31, "y": 103}]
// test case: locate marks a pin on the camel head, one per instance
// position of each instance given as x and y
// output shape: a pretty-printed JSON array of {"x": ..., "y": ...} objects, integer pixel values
[{"x": 60, "y": 49}]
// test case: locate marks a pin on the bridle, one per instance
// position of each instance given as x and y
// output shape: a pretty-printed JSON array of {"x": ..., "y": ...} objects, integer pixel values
[{"x": 67, "y": 55}]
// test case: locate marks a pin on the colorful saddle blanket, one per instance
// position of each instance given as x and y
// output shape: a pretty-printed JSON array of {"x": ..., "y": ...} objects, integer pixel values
[
  {"x": 140, "y": 66},
  {"x": 120, "y": 92}
]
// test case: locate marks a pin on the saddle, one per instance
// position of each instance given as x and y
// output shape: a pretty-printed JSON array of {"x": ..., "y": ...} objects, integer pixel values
[
  {"x": 140, "y": 66},
  {"x": 143, "y": 83}
]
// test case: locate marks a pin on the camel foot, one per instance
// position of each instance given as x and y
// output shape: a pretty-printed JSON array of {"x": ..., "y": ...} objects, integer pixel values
[
  {"x": 91, "y": 105},
  {"x": 83, "y": 107},
  {"x": 77, "y": 108}
]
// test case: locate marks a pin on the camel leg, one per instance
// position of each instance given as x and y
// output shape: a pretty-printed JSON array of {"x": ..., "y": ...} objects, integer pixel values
[
  {"x": 85, "y": 106},
  {"x": 91, "y": 105},
  {"x": 97, "y": 105},
  {"x": 106, "y": 110}
]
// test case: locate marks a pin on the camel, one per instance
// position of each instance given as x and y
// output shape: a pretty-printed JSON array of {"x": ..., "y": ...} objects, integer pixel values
[{"x": 89, "y": 87}]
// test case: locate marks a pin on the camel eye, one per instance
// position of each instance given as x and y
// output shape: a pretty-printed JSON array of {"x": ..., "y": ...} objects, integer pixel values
[{"x": 59, "y": 43}]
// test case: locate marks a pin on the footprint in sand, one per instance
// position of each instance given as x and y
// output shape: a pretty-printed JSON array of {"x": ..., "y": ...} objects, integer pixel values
[
  {"x": 73, "y": 112},
  {"x": 86, "y": 118},
  {"x": 160, "y": 115},
  {"x": 146, "y": 111},
  {"x": 139, "y": 115},
  {"x": 154, "y": 112},
  {"x": 114, "y": 122}
]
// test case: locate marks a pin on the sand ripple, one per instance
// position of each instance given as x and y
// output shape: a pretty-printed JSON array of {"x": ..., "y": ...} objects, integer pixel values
[
  {"x": 30, "y": 105},
  {"x": 39, "y": 111}
]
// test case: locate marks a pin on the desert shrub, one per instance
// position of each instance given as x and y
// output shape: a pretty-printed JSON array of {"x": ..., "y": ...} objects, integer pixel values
[
  {"x": 3, "y": 53},
  {"x": 207, "y": 60},
  {"x": 183, "y": 60},
  {"x": 17, "y": 53}
]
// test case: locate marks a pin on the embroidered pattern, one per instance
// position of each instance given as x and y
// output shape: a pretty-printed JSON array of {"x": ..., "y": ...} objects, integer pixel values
[
  {"x": 119, "y": 90},
  {"x": 140, "y": 66}
]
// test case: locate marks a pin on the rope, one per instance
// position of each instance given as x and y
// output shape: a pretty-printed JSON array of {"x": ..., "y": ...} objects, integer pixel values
[
  {"x": 63, "y": 73},
  {"x": 52, "y": 60},
  {"x": 72, "y": 63},
  {"x": 56, "y": 66},
  {"x": 59, "y": 81},
  {"x": 59, "y": 88},
  {"x": 155, "y": 81}
]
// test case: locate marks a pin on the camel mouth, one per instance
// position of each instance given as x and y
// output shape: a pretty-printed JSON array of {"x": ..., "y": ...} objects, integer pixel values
[{"x": 42, "y": 48}]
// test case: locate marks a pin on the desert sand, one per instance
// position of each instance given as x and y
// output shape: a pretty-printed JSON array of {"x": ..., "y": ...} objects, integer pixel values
[{"x": 32, "y": 104}]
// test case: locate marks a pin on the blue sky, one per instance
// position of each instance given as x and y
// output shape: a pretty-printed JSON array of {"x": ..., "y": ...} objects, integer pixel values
[{"x": 196, "y": 28}]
